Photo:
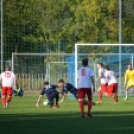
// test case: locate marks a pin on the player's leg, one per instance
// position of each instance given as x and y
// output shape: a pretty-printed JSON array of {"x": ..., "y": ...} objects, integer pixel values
[
  {"x": 110, "y": 90},
  {"x": 99, "y": 95},
  {"x": 3, "y": 97},
  {"x": 89, "y": 95},
  {"x": 57, "y": 100},
  {"x": 129, "y": 85},
  {"x": 81, "y": 96},
  {"x": 115, "y": 91},
  {"x": 9, "y": 96}
]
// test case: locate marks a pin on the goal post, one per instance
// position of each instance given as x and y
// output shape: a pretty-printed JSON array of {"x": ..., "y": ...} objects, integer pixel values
[{"x": 95, "y": 53}]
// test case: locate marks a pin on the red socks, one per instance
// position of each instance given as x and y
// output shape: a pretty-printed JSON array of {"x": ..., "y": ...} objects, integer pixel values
[
  {"x": 100, "y": 96},
  {"x": 89, "y": 106},
  {"x": 4, "y": 101},
  {"x": 9, "y": 98},
  {"x": 82, "y": 107}
]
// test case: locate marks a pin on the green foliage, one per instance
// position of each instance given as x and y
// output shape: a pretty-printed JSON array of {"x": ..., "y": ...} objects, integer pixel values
[{"x": 38, "y": 25}]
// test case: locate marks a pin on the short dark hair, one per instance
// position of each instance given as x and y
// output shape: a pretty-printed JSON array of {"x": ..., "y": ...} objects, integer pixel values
[
  {"x": 100, "y": 63},
  {"x": 130, "y": 64},
  {"x": 106, "y": 67},
  {"x": 46, "y": 82},
  {"x": 85, "y": 62},
  {"x": 61, "y": 81},
  {"x": 8, "y": 68}
]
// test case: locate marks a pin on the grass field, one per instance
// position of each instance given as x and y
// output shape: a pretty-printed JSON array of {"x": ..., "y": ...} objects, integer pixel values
[{"x": 23, "y": 118}]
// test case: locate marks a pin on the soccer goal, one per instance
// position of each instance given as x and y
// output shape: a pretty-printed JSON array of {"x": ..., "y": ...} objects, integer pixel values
[
  {"x": 32, "y": 69},
  {"x": 109, "y": 54}
]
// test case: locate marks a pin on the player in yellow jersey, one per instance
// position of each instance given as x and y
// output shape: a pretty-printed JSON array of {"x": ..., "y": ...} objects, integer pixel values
[{"x": 129, "y": 79}]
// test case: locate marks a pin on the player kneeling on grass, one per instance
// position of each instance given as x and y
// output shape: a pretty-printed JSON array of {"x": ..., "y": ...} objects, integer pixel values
[
  {"x": 18, "y": 91},
  {"x": 67, "y": 87},
  {"x": 51, "y": 93},
  {"x": 112, "y": 84}
]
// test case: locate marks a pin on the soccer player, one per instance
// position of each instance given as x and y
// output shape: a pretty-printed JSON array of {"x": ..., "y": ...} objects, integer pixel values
[
  {"x": 103, "y": 84},
  {"x": 112, "y": 84},
  {"x": 129, "y": 79},
  {"x": 85, "y": 81},
  {"x": 67, "y": 87},
  {"x": 8, "y": 81},
  {"x": 51, "y": 93},
  {"x": 18, "y": 91}
]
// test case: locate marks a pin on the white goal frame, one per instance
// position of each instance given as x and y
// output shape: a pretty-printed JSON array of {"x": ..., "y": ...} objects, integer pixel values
[{"x": 120, "y": 54}]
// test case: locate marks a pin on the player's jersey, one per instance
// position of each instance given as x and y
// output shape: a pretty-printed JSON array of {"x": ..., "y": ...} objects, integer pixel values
[
  {"x": 49, "y": 91},
  {"x": 7, "y": 79},
  {"x": 102, "y": 80},
  {"x": 84, "y": 75},
  {"x": 129, "y": 75},
  {"x": 111, "y": 77},
  {"x": 69, "y": 88}
]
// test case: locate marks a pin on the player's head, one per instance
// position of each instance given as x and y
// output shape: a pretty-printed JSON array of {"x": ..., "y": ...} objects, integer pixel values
[
  {"x": 106, "y": 68},
  {"x": 61, "y": 83},
  {"x": 99, "y": 65},
  {"x": 46, "y": 83},
  {"x": 8, "y": 68},
  {"x": 130, "y": 66},
  {"x": 85, "y": 62}
]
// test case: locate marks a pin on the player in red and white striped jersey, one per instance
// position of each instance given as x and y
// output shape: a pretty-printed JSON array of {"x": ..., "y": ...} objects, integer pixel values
[
  {"x": 103, "y": 84},
  {"x": 8, "y": 81},
  {"x": 85, "y": 81},
  {"x": 112, "y": 84}
]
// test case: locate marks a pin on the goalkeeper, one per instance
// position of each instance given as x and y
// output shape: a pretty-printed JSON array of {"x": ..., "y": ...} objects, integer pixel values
[{"x": 18, "y": 91}]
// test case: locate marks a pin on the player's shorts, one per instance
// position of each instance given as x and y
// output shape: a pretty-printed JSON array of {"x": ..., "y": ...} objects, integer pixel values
[
  {"x": 112, "y": 88},
  {"x": 129, "y": 85},
  {"x": 82, "y": 92},
  {"x": 7, "y": 91},
  {"x": 104, "y": 87}
]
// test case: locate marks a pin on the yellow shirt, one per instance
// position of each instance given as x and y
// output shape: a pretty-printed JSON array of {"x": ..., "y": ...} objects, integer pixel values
[{"x": 129, "y": 76}]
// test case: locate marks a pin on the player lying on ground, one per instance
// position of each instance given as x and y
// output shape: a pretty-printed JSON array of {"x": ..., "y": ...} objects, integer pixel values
[
  {"x": 103, "y": 85},
  {"x": 85, "y": 81},
  {"x": 18, "y": 91},
  {"x": 67, "y": 87},
  {"x": 8, "y": 81},
  {"x": 112, "y": 84},
  {"x": 129, "y": 79},
  {"x": 51, "y": 93}
]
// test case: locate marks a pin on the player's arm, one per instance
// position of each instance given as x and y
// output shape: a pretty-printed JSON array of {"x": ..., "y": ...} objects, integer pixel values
[
  {"x": 14, "y": 82},
  {"x": 106, "y": 77},
  {"x": 63, "y": 98},
  {"x": 93, "y": 83},
  {"x": 38, "y": 101},
  {"x": 40, "y": 97},
  {"x": 99, "y": 76}
]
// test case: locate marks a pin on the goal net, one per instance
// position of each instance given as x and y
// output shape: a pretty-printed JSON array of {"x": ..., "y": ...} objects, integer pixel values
[{"x": 108, "y": 54}]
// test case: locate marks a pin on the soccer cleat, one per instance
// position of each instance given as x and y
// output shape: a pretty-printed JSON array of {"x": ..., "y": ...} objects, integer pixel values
[
  {"x": 82, "y": 115},
  {"x": 125, "y": 99},
  {"x": 89, "y": 115},
  {"x": 99, "y": 102},
  {"x": 93, "y": 103}
]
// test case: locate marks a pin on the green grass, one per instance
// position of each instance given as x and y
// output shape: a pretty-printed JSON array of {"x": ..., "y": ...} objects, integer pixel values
[{"x": 23, "y": 118}]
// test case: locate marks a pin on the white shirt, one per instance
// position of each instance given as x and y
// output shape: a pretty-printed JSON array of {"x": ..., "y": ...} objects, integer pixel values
[
  {"x": 111, "y": 77},
  {"x": 102, "y": 79},
  {"x": 84, "y": 75},
  {"x": 7, "y": 79}
]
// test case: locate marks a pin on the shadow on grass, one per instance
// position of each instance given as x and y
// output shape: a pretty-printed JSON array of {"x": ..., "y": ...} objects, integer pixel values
[{"x": 68, "y": 123}]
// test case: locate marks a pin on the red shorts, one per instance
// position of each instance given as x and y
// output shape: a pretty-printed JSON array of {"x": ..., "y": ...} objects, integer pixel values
[
  {"x": 7, "y": 91},
  {"x": 112, "y": 88},
  {"x": 82, "y": 92},
  {"x": 104, "y": 87}
]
